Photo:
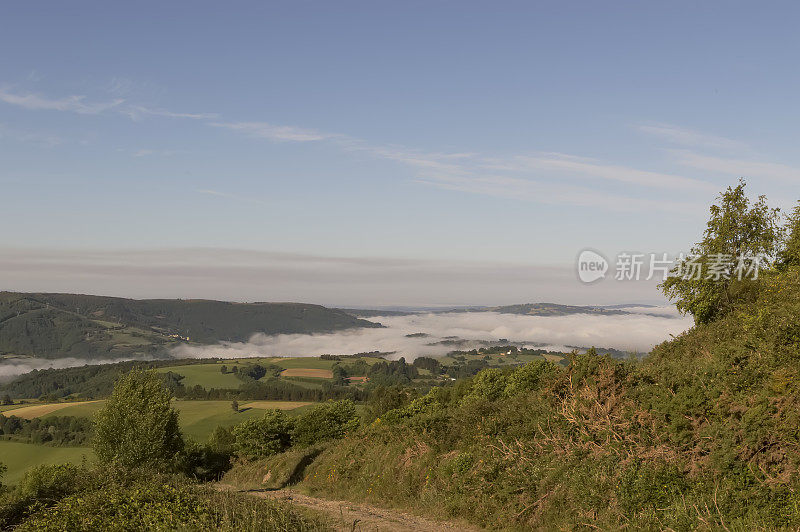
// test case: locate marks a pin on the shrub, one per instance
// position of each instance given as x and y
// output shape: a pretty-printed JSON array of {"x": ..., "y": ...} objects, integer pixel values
[
  {"x": 326, "y": 421},
  {"x": 49, "y": 482},
  {"x": 258, "y": 438}
]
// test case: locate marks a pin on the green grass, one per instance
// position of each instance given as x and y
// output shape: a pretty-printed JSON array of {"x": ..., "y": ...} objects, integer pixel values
[
  {"x": 21, "y": 456},
  {"x": 206, "y": 375},
  {"x": 199, "y": 418}
]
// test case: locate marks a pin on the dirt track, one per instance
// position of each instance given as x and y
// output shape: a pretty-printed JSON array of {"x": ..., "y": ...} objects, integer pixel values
[{"x": 348, "y": 516}]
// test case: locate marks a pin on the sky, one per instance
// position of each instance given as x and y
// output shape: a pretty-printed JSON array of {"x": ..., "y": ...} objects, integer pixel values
[{"x": 380, "y": 153}]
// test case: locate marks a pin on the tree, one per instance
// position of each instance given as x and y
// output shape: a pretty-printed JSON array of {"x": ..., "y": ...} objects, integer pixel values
[
  {"x": 709, "y": 282},
  {"x": 3, "y": 469},
  {"x": 790, "y": 256},
  {"x": 254, "y": 371},
  {"x": 339, "y": 376},
  {"x": 258, "y": 438},
  {"x": 7, "y": 400},
  {"x": 223, "y": 369},
  {"x": 138, "y": 426},
  {"x": 235, "y": 405}
]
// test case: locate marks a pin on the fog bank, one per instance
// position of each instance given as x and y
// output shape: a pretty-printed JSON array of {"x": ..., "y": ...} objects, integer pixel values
[{"x": 638, "y": 331}]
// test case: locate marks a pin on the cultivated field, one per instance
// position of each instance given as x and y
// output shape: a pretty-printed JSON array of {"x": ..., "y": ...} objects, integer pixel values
[
  {"x": 30, "y": 412},
  {"x": 307, "y": 372}
]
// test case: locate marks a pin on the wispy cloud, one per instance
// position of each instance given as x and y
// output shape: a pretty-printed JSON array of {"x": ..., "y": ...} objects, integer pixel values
[
  {"x": 543, "y": 177},
  {"x": 552, "y": 193},
  {"x": 82, "y": 105},
  {"x": 688, "y": 137},
  {"x": 274, "y": 132},
  {"x": 137, "y": 112},
  {"x": 75, "y": 104},
  {"x": 737, "y": 167},
  {"x": 592, "y": 168}
]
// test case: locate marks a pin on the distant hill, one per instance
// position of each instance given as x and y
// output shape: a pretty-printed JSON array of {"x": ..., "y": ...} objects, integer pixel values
[
  {"x": 58, "y": 325},
  {"x": 528, "y": 309},
  {"x": 554, "y": 309}
]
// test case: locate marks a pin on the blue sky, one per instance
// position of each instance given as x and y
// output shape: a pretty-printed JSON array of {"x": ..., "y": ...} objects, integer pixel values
[{"x": 513, "y": 132}]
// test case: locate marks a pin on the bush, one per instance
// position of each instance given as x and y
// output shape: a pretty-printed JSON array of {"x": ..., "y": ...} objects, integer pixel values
[
  {"x": 258, "y": 438},
  {"x": 326, "y": 421},
  {"x": 49, "y": 482},
  {"x": 165, "y": 503}
]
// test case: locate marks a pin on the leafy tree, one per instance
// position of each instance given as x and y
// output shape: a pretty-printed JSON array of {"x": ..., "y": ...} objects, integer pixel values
[
  {"x": 383, "y": 399},
  {"x": 326, "y": 421},
  {"x": 254, "y": 371},
  {"x": 339, "y": 376},
  {"x": 223, "y": 369},
  {"x": 431, "y": 364},
  {"x": 7, "y": 400},
  {"x": 3, "y": 470},
  {"x": 735, "y": 229},
  {"x": 257, "y": 438},
  {"x": 235, "y": 405},
  {"x": 790, "y": 256},
  {"x": 138, "y": 426}
]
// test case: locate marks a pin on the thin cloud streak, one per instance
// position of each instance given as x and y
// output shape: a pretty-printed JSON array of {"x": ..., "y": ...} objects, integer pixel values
[
  {"x": 688, "y": 137},
  {"x": 76, "y": 104},
  {"x": 546, "y": 178},
  {"x": 737, "y": 167},
  {"x": 273, "y": 132}
]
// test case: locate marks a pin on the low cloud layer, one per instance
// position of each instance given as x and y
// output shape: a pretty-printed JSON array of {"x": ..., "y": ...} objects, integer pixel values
[
  {"x": 638, "y": 332},
  {"x": 241, "y": 275}
]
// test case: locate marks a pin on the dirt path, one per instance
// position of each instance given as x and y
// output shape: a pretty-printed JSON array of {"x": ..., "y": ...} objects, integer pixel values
[{"x": 350, "y": 517}]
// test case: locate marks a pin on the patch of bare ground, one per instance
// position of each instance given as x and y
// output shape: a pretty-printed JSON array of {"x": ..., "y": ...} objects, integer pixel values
[{"x": 352, "y": 517}]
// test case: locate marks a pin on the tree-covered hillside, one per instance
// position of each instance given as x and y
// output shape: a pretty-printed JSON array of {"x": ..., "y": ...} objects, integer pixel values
[{"x": 57, "y": 325}]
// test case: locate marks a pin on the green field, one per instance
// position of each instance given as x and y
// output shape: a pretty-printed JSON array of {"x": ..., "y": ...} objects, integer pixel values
[
  {"x": 198, "y": 418},
  {"x": 21, "y": 456},
  {"x": 206, "y": 375},
  {"x": 209, "y": 375}
]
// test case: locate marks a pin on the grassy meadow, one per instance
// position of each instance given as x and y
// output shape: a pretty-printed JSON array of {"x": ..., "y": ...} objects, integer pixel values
[{"x": 22, "y": 456}]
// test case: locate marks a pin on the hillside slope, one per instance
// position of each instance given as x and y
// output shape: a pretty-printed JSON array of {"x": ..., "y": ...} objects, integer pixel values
[
  {"x": 703, "y": 434},
  {"x": 56, "y": 325}
]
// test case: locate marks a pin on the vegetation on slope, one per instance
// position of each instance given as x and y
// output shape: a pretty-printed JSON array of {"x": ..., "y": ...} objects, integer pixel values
[{"x": 703, "y": 433}]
